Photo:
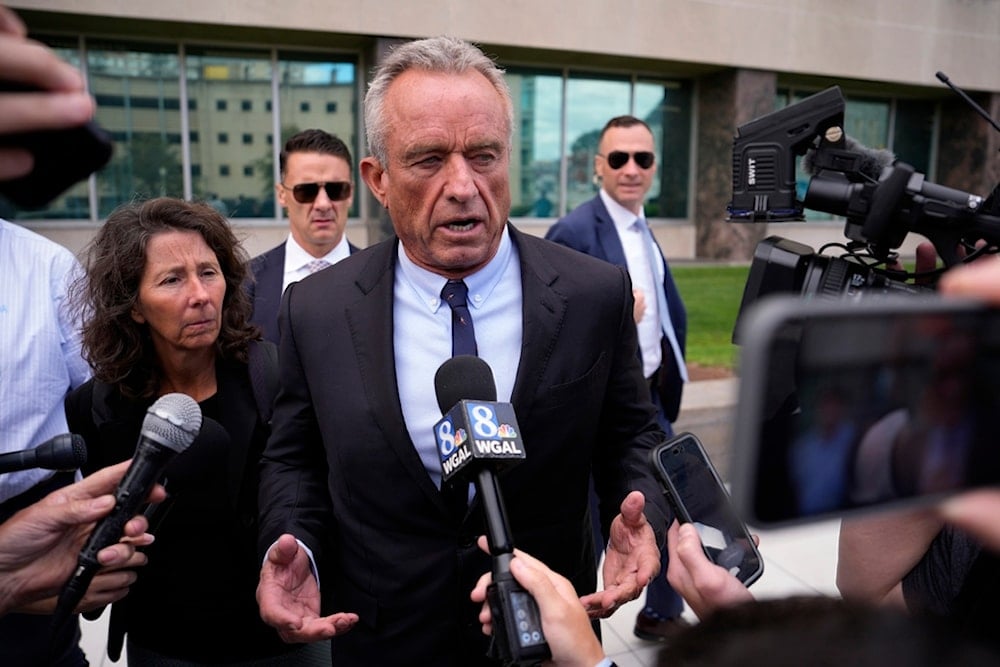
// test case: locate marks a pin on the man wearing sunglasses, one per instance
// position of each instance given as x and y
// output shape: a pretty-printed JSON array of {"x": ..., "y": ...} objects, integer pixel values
[
  {"x": 316, "y": 190},
  {"x": 612, "y": 226}
]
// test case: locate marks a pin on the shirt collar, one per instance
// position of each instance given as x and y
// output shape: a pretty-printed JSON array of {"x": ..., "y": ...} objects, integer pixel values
[
  {"x": 621, "y": 216},
  {"x": 296, "y": 257},
  {"x": 481, "y": 284}
]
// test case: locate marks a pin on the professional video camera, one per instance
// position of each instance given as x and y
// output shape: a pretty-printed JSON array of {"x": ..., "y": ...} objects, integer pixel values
[{"x": 881, "y": 198}]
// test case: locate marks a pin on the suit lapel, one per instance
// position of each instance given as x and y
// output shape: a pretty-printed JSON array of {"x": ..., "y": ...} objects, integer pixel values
[
  {"x": 543, "y": 310},
  {"x": 608, "y": 235},
  {"x": 371, "y": 324}
]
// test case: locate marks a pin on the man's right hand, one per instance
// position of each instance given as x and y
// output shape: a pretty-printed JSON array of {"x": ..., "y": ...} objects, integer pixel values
[{"x": 288, "y": 596}]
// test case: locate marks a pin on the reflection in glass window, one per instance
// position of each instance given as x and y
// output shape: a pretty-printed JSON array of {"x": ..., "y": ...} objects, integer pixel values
[
  {"x": 140, "y": 93},
  {"x": 535, "y": 159},
  {"x": 867, "y": 121},
  {"x": 590, "y": 103},
  {"x": 236, "y": 75},
  {"x": 307, "y": 80},
  {"x": 912, "y": 134},
  {"x": 666, "y": 108}
]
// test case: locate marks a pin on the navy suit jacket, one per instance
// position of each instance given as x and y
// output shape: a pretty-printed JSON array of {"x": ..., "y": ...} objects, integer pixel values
[
  {"x": 268, "y": 271},
  {"x": 590, "y": 229},
  {"x": 341, "y": 473}
]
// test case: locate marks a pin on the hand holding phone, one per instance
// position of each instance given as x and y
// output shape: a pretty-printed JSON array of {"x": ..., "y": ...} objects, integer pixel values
[
  {"x": 699, "y": 497},
  {"x": 883, "y": 402},
  {"x": 62, "y": 158}
]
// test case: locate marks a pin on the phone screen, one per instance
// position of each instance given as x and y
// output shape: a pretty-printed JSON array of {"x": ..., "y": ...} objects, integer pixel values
[
  {"x": 699, "y": 497},
  {"x": 848, "y": 406}
]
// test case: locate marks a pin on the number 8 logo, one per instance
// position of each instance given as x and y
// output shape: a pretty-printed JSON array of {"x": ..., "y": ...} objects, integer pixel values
[
  {"x": 445, "y": 438},
  {"x": 483, "y": 421}
]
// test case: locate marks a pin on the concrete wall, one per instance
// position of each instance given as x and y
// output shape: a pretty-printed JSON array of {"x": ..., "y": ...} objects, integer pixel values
[{"x": 902, "y": 41}]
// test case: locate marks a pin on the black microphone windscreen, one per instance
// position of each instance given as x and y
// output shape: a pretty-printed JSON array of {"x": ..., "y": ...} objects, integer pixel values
[
  {"x": 464, "y": 377},
  {"x": 79, "y": 449}
]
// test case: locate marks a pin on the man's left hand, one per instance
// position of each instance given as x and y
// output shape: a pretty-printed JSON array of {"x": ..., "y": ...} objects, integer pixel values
[{"x": 630, "y": 561}]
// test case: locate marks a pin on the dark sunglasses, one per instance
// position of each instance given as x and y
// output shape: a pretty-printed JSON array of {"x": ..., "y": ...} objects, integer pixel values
[
  {"x": 618, "y": 159},
  {"x": 306, "y": 193}
]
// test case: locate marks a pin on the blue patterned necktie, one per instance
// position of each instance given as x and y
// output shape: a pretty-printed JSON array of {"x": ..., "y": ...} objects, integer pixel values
[
  {"x": 463, "y": 341},
  {"x": 463, "y": 337}
]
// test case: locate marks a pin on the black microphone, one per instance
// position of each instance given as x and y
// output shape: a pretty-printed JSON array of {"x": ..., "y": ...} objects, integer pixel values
[
  {"x": 64, "y": 452},
  {"x": 170, "y": 425},
  {"x": 478, "y": 437}
]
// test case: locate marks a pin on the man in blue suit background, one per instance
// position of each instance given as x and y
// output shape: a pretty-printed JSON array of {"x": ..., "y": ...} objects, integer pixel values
[
  {"x": 316, "y": 190},
  {"x": 612, "y": 226}
]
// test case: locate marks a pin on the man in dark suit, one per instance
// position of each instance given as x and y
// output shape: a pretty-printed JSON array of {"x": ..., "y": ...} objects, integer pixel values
[
  {"x": 351, "y": 492},
  {"x": 316, "y": 190},
  {"x": 612, "y": 226}
]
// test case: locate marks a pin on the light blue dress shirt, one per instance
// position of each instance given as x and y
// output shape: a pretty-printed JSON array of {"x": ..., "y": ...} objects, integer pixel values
[
  {"x": 422, "y": 337},
  {"x": 39, "y": 346}
]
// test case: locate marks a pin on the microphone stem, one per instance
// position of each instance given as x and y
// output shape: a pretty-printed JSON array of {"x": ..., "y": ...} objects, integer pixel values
[{"x": 497, "y": 527}]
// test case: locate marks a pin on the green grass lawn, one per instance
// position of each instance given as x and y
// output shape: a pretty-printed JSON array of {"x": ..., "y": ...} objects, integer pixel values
[{"x": 712, "y": 295}]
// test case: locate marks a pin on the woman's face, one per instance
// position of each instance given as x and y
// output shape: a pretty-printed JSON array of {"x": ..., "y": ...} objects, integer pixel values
[{"x": 181, "y": 292}]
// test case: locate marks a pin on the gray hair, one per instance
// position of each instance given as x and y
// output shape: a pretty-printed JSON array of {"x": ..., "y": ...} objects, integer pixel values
[{"x": 448, "y": 55}]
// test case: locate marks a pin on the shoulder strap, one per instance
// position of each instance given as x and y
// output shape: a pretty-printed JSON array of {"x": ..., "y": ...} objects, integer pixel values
[{"x": 263, "y": 364}]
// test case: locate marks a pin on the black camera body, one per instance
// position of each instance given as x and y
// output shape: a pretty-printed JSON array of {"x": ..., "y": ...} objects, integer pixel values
[{"x": 881, "y": 199}]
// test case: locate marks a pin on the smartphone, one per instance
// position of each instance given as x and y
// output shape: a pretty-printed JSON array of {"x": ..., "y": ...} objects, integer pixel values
[
  {"x": 850, "y": 406},
  {"x": 62, "y": 158},
  {"x": 698, "y": 496}
]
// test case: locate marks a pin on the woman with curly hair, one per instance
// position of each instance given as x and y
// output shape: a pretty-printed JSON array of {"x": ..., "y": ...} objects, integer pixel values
[{"x": 165, "y": 311}]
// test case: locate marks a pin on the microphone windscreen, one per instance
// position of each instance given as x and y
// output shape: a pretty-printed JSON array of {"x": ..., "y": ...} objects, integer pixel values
[
  {"x": 79, "y": 450},
  {"x": 173, "y": 421},
  {"x": 871, "y": 161},
  {"x": 464, "y": 377}
]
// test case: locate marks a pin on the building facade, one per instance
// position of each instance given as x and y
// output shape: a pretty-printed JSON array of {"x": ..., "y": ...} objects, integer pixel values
[{"x": 198, "y": 96}]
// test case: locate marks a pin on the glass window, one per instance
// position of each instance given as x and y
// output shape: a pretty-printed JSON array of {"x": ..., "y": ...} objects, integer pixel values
[
  {"x": 140, "y": 85},
  {"x": 866, "y": 120},
  {"x": 223, "y": 137},
  {"x": 220, "y": 105},
  {"x": 246, "y": 105},
  {"x": 247, "y": 138},
  {"x": 666, "y": 108},
  {"x": 237, "y": 75},
  {"x": 590, "y": 102},
  {"x": 311, "y": 78},
  {"x": 913, "y": 132},
  {"x": 535, "y": 159},
  {"x": 542, "y": 138}
]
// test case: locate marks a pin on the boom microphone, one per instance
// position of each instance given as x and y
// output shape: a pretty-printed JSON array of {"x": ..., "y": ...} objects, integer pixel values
[
  {"x": 64, "y": 452},
  {"x": 171, "y": 424},
  {"x": 479, "y": 436},
  {"x": 864, "y": 160}
]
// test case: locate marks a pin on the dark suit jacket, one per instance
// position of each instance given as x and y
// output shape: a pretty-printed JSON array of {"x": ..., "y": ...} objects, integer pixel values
[
  {"x": 590, "y": 229},
  {"x": 341, "y": 473},
  {"x": 268, "y": 271}
]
